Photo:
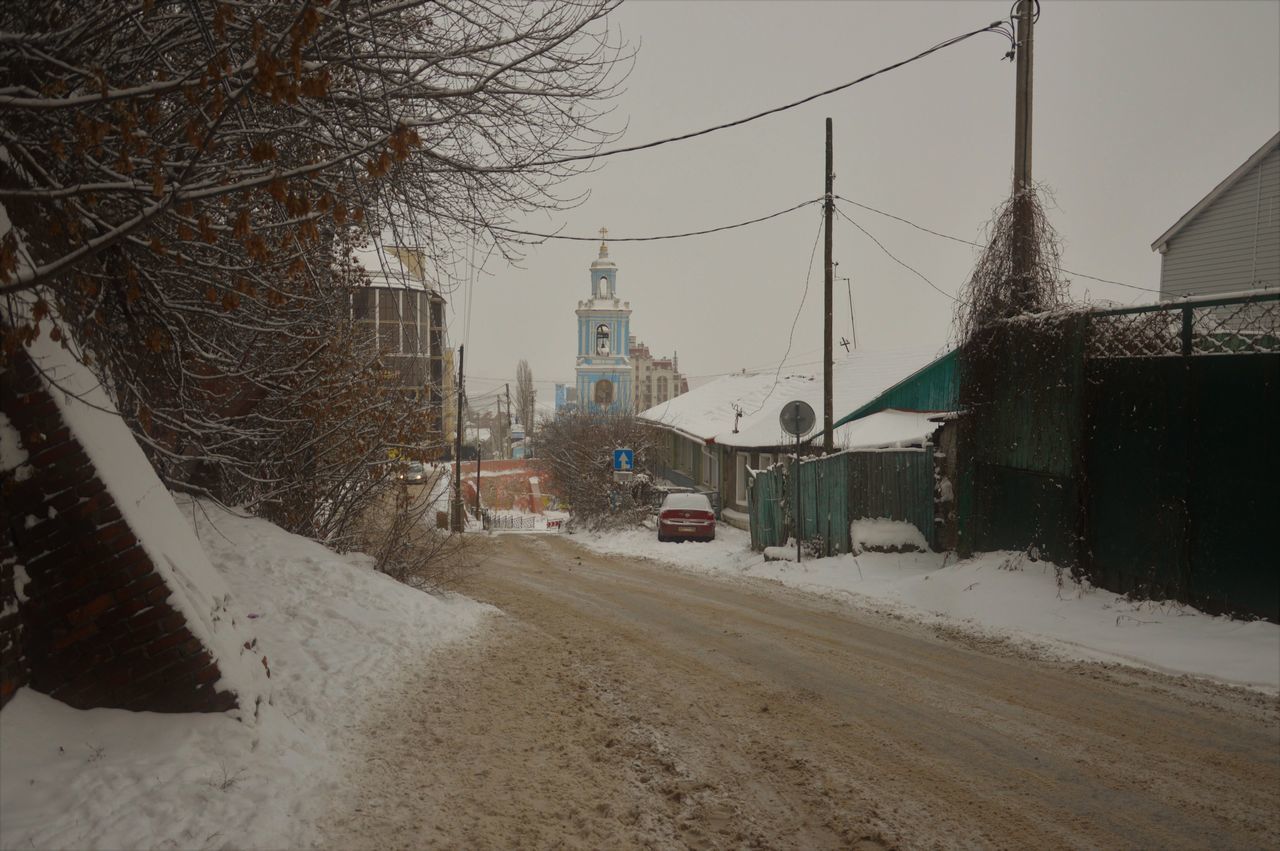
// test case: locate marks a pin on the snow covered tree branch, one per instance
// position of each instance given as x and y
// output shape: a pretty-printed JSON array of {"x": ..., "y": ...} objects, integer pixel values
[{"x": 190, "y": 178}]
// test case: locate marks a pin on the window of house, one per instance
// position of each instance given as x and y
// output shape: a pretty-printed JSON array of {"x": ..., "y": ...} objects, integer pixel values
[
  {"x": 766, "y": 460},
  {"x": 410, "y": 329},
  {"x": 362, "y": 305},
  {"x": 389, "y": 320},
  {"x": 710, "y": 469},
  {"x": 740, "y": 478}
]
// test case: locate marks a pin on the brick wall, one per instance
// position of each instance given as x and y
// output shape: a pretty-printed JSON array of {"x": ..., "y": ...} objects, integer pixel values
[{"x": 96, "y": 628}]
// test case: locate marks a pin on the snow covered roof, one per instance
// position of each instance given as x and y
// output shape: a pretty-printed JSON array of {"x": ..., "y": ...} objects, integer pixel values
[
  {"x": 389, "y": 266},
  {"x": 885, "y": 429},
  {"x": 707, "y": 413}
]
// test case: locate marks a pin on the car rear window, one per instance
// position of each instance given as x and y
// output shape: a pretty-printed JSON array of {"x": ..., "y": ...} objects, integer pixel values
[{"x": 687, "y": 502}]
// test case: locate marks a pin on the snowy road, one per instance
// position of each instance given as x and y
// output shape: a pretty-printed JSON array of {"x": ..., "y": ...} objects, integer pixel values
[{"x": 626, "y": 704}]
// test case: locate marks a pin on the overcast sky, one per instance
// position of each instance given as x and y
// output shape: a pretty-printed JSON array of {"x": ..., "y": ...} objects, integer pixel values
[{"x": 1140, "y": 109}]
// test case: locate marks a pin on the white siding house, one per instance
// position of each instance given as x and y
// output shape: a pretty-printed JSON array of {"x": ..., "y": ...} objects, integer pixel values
[{"x": 1230, "y": 241}]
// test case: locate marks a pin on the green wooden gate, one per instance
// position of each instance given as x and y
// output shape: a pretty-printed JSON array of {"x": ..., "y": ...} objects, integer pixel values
[{"x": 766, "y": 508}]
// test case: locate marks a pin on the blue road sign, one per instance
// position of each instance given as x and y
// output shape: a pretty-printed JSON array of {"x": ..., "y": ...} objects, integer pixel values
[{"x": 624, "y": 460}]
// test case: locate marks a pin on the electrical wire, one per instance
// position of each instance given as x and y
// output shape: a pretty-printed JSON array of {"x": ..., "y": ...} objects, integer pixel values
[
  {"x": 703, "y": 232},
  {"x": 998, "y": 27},
  {"x": 914, "y": 271},
  {"x": 980, "y": 245},
  {"x": 792, "y": 335}
]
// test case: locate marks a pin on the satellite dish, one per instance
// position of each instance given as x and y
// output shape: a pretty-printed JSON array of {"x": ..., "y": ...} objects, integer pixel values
[{"x": 797, "y": 418}]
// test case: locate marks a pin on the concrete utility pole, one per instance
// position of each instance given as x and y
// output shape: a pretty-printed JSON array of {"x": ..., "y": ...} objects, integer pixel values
[
  {"x": 1023, "y": 92},
  {"x": 507, "y": 451},
  {"x": 828, "y": 277},
  {"x": 456, "y": 523},
  {"x": 1021, "y": 259},
  {"x": 499, "y": 448}
]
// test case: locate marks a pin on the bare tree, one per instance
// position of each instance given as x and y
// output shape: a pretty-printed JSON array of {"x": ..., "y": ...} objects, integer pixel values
[
  {"x": 191, "y": 178},
  {"x": 525, "y": 395},
  {"x": 577, "y": 449}
]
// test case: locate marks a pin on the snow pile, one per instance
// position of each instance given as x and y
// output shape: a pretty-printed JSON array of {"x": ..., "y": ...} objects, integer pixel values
[
  {"x": 198, "y": 591},
  {"x": 12, "y": 455},
  {"x": 880, "y": 533},
  {"x": 334, "y": 633},
  {"x": 1000, "y": 595}
]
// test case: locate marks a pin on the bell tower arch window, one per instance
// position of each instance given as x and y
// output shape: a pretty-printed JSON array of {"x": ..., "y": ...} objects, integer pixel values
[{"x": 602, "y": 339}]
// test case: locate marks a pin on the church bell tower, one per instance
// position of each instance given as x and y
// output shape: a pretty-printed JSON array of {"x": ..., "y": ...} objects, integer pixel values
[{"x": 604, "y": 326}]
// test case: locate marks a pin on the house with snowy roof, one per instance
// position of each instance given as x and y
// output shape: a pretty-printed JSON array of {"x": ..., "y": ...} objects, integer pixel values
[{"x": 719, "y": 432}]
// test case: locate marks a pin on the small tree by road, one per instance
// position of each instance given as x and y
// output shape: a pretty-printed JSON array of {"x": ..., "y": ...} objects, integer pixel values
[
  {"x": 578, "y": 449},
  {"x": 525, "y": 395}
]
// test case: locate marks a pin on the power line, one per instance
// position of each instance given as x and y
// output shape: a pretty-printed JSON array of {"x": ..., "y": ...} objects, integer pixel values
[
  {"x": 1000, "y": 27},
  {"x": 914, "y": 271},
  {"x": 703, "y": 232},
  {"x": 799, "y": 309},
  {"x": 980, "y": 245}
]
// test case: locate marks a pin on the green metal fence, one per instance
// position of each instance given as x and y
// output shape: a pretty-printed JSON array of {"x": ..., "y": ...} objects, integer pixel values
[
  {"x": 1136, "y": 445},
  {"x": 837, "y": 489}
]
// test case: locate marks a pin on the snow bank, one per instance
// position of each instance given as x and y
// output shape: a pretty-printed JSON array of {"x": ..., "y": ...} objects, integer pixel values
[
  {"x": 333, "y": 631},
  {"x": 996, "y": 594},
  {"x": 198, "y": 591}
]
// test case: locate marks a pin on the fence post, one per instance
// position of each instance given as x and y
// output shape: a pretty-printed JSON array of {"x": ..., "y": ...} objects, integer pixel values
[{"x": 1186, "y": 331}]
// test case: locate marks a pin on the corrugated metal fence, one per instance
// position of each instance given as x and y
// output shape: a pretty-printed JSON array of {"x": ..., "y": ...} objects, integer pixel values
[
  {"x": 1135, "y": 445},
  {"x": 895, "y": 484}
]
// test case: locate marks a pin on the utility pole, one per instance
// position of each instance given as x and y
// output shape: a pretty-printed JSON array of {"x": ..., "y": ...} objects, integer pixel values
[
  {"x": 478, "y": 462},
  {"x": 828, "y": 276},
  {"x": 499, "y": 450},
  {"x": 1022, "y": 152},
  {"x": 526, "y": 427},
  {"x": 1022, "y": 107},
  {"x": 456, "y": 523}
]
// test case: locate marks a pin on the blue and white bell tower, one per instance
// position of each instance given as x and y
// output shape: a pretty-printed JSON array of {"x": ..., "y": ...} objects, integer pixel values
[{"x": 604, "y": 328}]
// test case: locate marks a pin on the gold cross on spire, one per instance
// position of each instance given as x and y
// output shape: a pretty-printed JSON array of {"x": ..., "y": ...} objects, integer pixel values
[{"x": 604, "y": 249}]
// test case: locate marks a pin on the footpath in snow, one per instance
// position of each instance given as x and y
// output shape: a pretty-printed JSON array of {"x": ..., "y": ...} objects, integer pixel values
[
  {"x": 998, "y": 594},
  {"x": 332, "y": 629}
]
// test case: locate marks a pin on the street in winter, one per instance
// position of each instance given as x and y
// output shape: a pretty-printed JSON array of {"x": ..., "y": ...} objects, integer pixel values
[{"x": 594, "y": 425}]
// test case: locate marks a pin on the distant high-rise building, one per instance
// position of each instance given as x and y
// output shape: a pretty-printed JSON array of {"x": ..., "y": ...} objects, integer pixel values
[{"x": 654, "y": 380}]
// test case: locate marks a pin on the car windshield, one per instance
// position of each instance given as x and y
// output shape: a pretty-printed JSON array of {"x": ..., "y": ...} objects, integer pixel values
[{"x": 687, "y": 502}]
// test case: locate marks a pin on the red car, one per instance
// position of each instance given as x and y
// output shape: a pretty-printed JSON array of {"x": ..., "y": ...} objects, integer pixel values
[{"x": 686, "y": 517}]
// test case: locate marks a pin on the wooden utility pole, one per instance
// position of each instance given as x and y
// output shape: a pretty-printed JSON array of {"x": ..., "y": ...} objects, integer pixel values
[
  {"x": 456, "y": 523},
  {"x": 828, "y": 278}
]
